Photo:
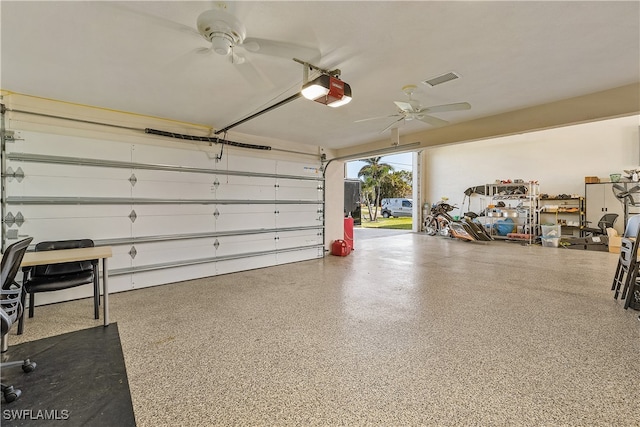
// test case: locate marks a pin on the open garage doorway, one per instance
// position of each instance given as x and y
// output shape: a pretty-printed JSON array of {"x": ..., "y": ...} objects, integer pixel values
[{"x": 387, "y": 192}]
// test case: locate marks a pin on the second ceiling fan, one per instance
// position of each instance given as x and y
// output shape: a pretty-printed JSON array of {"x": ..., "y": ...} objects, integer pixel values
[{"x": 412, "y": 110}]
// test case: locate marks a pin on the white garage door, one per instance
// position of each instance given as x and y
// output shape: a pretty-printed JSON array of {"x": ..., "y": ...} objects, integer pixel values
[{"x": 170, "y": 213}]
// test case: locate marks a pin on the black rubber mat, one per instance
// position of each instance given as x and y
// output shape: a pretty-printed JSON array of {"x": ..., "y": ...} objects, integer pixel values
[{"x": 80, "y": 380}]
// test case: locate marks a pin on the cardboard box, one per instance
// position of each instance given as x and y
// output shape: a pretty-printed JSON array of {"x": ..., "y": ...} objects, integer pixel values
[
  {"x": 614, "y": 244},
  {"x": 591, "y": 179}
]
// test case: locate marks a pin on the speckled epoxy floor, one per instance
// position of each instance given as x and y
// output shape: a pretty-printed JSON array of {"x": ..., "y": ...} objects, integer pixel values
[{"x": 407, "y": 330}]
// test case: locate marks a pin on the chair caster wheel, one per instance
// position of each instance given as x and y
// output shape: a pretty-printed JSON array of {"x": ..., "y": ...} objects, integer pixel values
[
  {"x": 28, "y": 366},
  {"x": 11, "y": 394}
]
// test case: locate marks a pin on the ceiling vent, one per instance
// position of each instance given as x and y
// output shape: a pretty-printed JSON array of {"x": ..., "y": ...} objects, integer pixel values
[{"x": 438, "y": 80}]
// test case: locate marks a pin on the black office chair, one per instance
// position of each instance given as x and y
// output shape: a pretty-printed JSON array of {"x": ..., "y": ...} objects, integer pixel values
[
  {"x": 605, "y": 222},
  {"x": 11, "y": 308},
  {"x": 55, "y": 277}
]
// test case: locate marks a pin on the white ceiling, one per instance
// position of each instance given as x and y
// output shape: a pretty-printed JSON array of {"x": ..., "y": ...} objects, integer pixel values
[{"x": 141, "y": 57}]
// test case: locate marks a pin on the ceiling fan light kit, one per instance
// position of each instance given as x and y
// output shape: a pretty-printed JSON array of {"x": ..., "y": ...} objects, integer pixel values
[
  {"x": 327, "y": 90},
  {"x": 221, "y": 44}
]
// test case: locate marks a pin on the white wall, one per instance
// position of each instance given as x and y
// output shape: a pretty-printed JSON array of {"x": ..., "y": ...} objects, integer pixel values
[{"x": 558, "y": 158}]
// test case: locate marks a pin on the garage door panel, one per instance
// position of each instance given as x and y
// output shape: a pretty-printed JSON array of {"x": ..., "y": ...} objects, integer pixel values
[
  {"x": 235, "y": 265},
  {"x": 237, "y": 245},
  {"x": 43, "y": 186},
  {"x": 299, "y": 238},
  {"x": 245, "y": 163},
  {"x": 72, "y": 222},
  {"x": 305, "y": 169},
  {"x": 174, "y": 156},
  {"x": 291, "y": 189},
  {"x": 160, "y": 220},
  {"x": 245, "y": 188},
  {"x": 299, "y": 215},
  {"x": 71, "y": 146},
  {"x": 173, "y": 251},
  {"x": 244, "y": 217},
  {"x": 163, "y": 276},
  {"x": 120, "y": 259},
  {"x": 299, "y": 255},
  {"x": 172, "y": 185}
]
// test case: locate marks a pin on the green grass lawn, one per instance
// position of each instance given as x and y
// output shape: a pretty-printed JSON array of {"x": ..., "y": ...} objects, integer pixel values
[{"x": 403, "y": 223}]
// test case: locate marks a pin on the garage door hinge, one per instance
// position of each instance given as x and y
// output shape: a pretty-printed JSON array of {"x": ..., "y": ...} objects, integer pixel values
[
  {"x": 11, "y": 136},
  {"x": 18, "y": 174},
  {"x": 9, "y": 219}
]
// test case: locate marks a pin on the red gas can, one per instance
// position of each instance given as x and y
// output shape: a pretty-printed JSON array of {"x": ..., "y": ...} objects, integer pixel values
[{"x": 340, "y": 248}]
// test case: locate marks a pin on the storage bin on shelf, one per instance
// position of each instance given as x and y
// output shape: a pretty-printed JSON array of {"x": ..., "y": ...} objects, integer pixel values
[
  {"x": 551, "y": 231},
  {"x": 550, "y": 242}
]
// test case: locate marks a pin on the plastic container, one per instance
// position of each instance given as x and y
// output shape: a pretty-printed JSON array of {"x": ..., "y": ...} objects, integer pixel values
[
  {"x": 550, "y": 242},
  {"x": 504, "y": 226},
  {"x": 551, "y": 231}
]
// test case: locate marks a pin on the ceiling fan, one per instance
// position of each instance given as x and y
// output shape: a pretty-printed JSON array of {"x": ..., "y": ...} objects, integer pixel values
[
  {"x": 227, "y": 34},
  {"x": 412, "y": 110},
  {"x": 624, "y": 192}
]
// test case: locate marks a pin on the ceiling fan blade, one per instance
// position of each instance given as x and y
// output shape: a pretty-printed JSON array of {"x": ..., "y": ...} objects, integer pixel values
[
  {"x": 280, "y": 49},
  {"x": 433, "y": 121},
  {"x": 447, "y": 107},
  {"x": 377, "y": 118},
  {"x": 391, "y": 125},
  {"x": 405, "y": 106},
  {"x": 623, "y": 191},
  {"x": 252, "y": 75},
  {"x": 158, "y": 20},
  {"x": 203, "y": 50}
]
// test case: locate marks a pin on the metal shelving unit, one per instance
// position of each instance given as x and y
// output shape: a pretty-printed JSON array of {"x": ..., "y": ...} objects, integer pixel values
[
  {"x": 520, "y": 201},
  {"x": 569, "y": 213}
]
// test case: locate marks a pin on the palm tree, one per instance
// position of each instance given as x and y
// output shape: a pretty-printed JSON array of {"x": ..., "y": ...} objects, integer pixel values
[{"x": 372, "y": 175}]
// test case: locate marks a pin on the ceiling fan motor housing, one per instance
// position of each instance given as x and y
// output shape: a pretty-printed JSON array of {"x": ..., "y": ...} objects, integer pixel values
[{"x": 223, "y": 30}]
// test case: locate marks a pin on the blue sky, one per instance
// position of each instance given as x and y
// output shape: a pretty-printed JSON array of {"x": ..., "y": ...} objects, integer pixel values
[{"x": 400, "y": 161}]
